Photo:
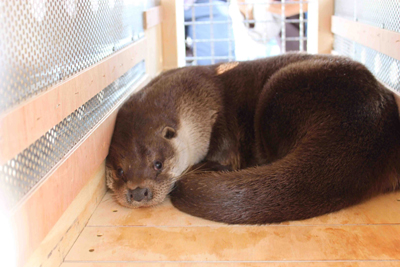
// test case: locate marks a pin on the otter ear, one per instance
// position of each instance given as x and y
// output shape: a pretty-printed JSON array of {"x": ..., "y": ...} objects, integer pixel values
[{"x": 168, "y": 132}]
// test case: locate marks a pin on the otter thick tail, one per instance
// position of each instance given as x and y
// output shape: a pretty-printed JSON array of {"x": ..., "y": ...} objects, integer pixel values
[
  {"x": 325, "y": 143},
  {"x": 293, "y": 188}
]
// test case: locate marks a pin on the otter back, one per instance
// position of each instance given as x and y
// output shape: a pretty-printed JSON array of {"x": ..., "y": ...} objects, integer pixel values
[{"x": 285, "y": 138}]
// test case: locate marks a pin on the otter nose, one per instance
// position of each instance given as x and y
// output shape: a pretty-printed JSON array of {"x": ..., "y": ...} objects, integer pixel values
[{"x": 139, "y": 194}]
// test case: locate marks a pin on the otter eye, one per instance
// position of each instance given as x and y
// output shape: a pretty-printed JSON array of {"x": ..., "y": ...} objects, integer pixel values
[
  {"x": 120, "y": 172},
  {"x": 157, "y": 165}
]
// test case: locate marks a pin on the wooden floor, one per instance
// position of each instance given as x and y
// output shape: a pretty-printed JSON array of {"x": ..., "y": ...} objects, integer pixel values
[{"x": 365, "y": 235}]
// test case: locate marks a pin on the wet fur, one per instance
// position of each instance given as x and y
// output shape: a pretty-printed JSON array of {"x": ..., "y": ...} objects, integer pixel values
[{"x": 290, "y": 137}]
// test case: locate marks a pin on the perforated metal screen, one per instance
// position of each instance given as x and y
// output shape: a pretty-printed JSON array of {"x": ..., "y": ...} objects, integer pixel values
[
  {"x": 44, "y": 42},
  {"x": 20, "y": 174},
  {"x": 379, "y": 13},
  {"x": 385, "y": 68},
  {"x": 23, "y": 172}
]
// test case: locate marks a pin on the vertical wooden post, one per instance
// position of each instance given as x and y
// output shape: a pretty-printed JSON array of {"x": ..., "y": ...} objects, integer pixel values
[
  {"x": 320, "y": 36},
  {"x": 173, "y": 34}
]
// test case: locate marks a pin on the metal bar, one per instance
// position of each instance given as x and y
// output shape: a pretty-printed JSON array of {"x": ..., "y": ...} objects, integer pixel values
[
  {"x": 229, "y": 33},
  {"x": 215, "y": 57},
  {"x": 301, "y": 27},
  {"x": 245, "y": 20},
  {"x": 254, "y": 3},
  {"x": 212, "y": 32},
  {"x": 283, "y": 27},
  {"x": 209, "y": 40},
  {"x": 231, "y": 39},
  {"x": 288, "y": 39},
  {"x": 194, "y": 35}
]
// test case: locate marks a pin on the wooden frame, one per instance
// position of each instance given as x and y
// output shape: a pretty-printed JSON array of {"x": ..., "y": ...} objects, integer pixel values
[
  {"x": 173, "y": 34},
  {"x": 152, "y": 17},
  {"x": 48, "y": 220},
  {"x": 62, "y": 236},
  {"x": 41, "y": 209},
  {"x": 381, "y": 40},
  {"x": 24, "y": 124},
  {"x": 320, "y": 37}
]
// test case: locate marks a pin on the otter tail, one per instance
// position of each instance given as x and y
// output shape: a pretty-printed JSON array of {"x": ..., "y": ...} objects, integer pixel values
[
  {"x": 311, "y": 180},
  {"x": 338, "y": 147},
  {"x": 293, "y": 188}
]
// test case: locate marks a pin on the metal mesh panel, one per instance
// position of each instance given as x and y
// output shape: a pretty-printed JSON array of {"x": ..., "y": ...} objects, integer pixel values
[
  {"x": 23, "y": 172},
  {"x": 44, "y": 42},
  {"x": 380, "y": 13},
  {"x": 345, "y": 8},
  {"x": 227, "y": 30},
  {"x": 385, "y": 68}
]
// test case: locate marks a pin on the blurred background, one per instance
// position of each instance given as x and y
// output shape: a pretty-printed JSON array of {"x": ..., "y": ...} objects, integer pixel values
[{"x": 226, "y": 30}]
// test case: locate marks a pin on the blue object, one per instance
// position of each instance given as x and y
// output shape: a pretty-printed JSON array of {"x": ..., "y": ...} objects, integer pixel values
[{"x": 220, "y": 12}]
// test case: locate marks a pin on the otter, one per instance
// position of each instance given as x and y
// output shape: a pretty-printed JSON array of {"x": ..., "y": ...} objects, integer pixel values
[{"x": 283, "y": 138}]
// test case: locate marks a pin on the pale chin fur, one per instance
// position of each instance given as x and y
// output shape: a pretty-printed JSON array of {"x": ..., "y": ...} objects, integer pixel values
[{"x": 191, "y": 146}]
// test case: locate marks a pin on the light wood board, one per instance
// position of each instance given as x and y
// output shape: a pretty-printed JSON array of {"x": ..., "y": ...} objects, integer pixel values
[
  {"x": 381, "y": 40},
  {"x": 58, "y": 242},
  {"x": 364, "y": 235},
  {"x": 237, "y": 264},
  {"x": 27, "y": 122}
]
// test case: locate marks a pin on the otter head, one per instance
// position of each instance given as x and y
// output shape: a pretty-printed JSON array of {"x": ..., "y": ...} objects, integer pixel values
[
  {"x": 155, "y": 140},
  {"x": 140, "y": 166}
]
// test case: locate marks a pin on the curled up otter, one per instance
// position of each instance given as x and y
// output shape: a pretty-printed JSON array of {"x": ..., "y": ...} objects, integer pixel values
[{"x": 283, "y": 138}]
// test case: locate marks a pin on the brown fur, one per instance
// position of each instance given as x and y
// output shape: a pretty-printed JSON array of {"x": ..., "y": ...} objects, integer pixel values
[{"x": 284, "y": 138}]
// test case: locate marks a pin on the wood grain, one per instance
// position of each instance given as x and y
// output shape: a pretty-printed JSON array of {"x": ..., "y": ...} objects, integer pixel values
[
  {"x": 24, "y": 124},
  {"x": 381, "y": 40},
  {"x": 34, "y": 218},
  {"x": 173, "y": 35},
  {"x": 152, "y": 17},
  {"x": 236, "y": 264},
  {"x": 58, "y": 242},
  {"x": 384, "y": 209},
  {"x": 154, "y": 59},
  {"x": 244, "y": 243}
]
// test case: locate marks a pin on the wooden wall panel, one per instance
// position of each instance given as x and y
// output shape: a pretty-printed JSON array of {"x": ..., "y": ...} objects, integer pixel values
[
  {"x": 381, "y": 40},
  {"x": 152, "y": 17},
  {"x": 53, "y": 214},
  {"x": 53, "y": 249},
  {"x": 24, "y": 124},
  {"x": 173, "y": 35},
  {"x": 35, "y": 217}
]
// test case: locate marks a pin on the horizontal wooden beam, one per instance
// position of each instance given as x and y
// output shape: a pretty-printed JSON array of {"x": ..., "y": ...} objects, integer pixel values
[
  {"x": 45, "y": 204},
  {"x": 381, "y": 40},
  {"x": 152, "y": 17},
  {"x": 23, "y": 125}
]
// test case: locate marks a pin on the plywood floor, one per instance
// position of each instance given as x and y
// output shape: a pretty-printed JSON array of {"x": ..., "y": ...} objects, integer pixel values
[{"x": 365, "y": 235}]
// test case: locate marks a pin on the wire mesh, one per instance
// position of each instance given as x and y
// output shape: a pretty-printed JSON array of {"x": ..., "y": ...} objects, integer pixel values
[
  {"x": 227, "y": 30},
  {"x": 385, "y": 68},
  {"x": 23, "y": 172},
  {"x": 380, "y": 13},
  {"x": 44, "y": 42}
]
